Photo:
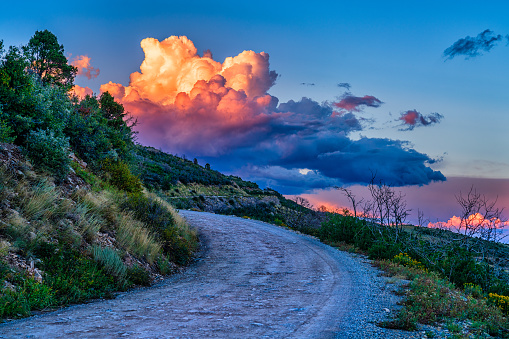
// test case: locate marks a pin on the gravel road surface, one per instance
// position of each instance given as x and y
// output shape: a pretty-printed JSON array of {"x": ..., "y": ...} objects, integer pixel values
[{"x": 251, "y": 280}]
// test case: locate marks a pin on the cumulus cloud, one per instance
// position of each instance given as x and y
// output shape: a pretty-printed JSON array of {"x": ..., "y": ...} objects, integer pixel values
[
  {"x": 81, "y": 92},
  {"x": 474, "y": 220},
  {"x": 191, "y": 104},
  {"x": 82, "y": 62},
  {"x": 412, "y": 119},
  {"x": 352, "y": 103},
  {"x": 473, "y": 46}
]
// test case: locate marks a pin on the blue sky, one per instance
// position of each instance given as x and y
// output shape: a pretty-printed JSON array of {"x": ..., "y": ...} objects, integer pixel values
[{"x": 392, "y": 50}]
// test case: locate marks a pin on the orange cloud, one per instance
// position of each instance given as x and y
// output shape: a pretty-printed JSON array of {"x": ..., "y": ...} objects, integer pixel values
[
  {"x": 82, "y": 62},
  {"x": 474, "y": 220},
  {"x": 81, "y": 92},
  {"x": 176, "y": 90}
]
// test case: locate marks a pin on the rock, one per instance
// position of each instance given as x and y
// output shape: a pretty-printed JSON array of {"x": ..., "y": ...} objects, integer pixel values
[
  {"x": 9, "y": 286},
  {"x": 37, "y": 275}
]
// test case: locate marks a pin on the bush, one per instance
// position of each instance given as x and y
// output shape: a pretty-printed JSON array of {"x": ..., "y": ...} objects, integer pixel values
[
  {"x": 121, "y": 177},
  {"x": 72, "y": 276},
  {"x": 30, "y": 295},
  {"x": 49, "y": 152},
  {"x": 111, "y": 261},
  {"x": 138, "y": 276}
]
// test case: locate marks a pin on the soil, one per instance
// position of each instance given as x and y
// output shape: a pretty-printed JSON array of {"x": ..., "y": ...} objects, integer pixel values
[{"x": 250, "y": 280}]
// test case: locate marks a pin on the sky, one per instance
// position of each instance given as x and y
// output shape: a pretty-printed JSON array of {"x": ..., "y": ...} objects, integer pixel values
[{"x": 302, "y": 96}]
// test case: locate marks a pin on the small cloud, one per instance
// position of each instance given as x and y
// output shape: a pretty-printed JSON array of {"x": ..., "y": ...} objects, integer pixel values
[
  {"x": 473, "y": 46},
  {"x": 412, "y": 119},
  {"x": 352, "y": 103},
  {"x": 82, "y": 62},
  {"x": 344, "y": 85},
  {"x": 81, "y": 92}
]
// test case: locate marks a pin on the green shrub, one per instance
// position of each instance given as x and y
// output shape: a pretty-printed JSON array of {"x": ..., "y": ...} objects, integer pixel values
[
  {"x": 111, "y": 261},
  {"x": 49, "y": 152},
  {"x": 121, "y": 177},
  {"x": 5, "y": 131},
  {"x": 29, "y": 295},
  {"x": 164, "y": 265},
  {"x": 138, "y": 275},
  {"x": 89, "y": 177},
  {"x": 72, "y": 276}
]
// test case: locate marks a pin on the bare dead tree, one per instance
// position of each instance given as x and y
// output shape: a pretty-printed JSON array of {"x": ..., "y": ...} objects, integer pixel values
[
  {"x": 349, "y": 194},
  {"x": 480, "y": 221}
]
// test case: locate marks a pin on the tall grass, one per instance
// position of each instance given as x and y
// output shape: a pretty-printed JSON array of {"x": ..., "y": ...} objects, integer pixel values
[
  {"x": 132, "y": 236},
  {"x": 41, "y": 201},
  {"x": 177, "y": 240},
  {"x": 111, "y": 261}
]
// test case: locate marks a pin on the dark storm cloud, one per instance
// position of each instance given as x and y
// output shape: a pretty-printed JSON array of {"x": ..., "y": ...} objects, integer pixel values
[{"x": 473, "y": 46}]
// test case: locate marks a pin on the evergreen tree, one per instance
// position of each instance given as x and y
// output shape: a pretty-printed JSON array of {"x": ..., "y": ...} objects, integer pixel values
[{"x": 47, "y": 60}]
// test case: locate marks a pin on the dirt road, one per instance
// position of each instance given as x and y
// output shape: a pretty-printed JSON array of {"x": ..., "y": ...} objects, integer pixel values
[{"x": 252, "y": 280}]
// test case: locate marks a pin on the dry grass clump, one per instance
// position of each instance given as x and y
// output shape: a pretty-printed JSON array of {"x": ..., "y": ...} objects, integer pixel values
[
  {"x": 134, "y": 238},
  {"x": 180, "y": 223}
]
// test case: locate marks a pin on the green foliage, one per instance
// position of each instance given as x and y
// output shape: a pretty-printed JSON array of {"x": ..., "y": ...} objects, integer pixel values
[
  {"x": 47, "y": 59},
  {"x": 160, "y": 170},
  {"x": 431, "y": 298},
  {"x": 121, "y": 177},
  {"x": 500, "y": 301},
  {"x": 89, "y": 177},
  {"x": 5, "y": 131},
  {"x": 138, "y": 275},
  {"x": 261, "y": 211},
  {"x": 30, "y": 295},
  {"x": 89, "y": 138},
  {"x": 73, "y": 277},
  {"x": 348, "y": 229},
  {"x": 111, "y": 262},
  {"x": 97, "y": 130},
  {"x": 405, "y": 260},
  {"x": 49, "y": 152}
]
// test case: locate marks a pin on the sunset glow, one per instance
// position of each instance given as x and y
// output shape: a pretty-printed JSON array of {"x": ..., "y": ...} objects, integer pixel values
[{"x": 295, "y": 98}]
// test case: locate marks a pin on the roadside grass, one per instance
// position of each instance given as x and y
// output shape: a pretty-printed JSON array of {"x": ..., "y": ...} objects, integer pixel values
[
  {"x": 177, "y": 240},
  {"x": 432, "y": 299},
  {"x": 51, "y": 252}
]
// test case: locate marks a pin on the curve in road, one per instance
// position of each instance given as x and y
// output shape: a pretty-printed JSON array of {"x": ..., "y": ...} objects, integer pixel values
[{"x": 251, "y": 280}]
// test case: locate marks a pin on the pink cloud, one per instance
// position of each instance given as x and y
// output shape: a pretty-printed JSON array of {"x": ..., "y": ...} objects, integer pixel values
[
  {"x": 412, "y": 118},
  {"x": 81, "y": 92},
  {"x": 82, "y": 62},
  {"x": 176, "y": 91},
  {"x": 353, "y": 104}
]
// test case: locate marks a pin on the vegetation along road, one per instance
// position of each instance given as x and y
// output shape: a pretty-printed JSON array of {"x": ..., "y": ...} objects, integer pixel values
[{"x": 251, "y": 280}]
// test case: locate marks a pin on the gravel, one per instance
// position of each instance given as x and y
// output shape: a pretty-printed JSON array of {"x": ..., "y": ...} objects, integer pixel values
[{"x": 250, "y": 280}]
